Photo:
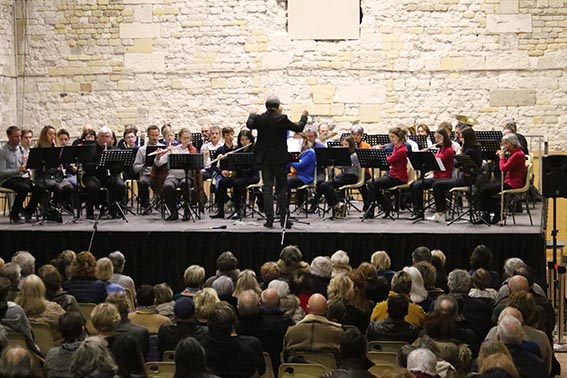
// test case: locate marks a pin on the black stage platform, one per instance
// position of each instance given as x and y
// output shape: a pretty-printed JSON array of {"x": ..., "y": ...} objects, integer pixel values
[{"x": 158, "y": 251}]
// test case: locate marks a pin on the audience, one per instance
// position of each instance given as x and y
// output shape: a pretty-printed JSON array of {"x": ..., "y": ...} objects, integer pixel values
[
  {"x": 164, "y": 300},
  {"x": 54, "y": 292},
  {"x": 321, "y": 269},
  {"x": 104, "y": 271},
  {"x": 194, "y": 277},
  {"x": 353, "y": 348},
  {"x": 92, "y": 359},
  {"x": 227, "y": 265},
  {"x": 72, "y": 327},
  {"x": 422, "y": 363},
  {"x": 128, "y": 356},
  {"x": 16, "y": 362},
  {"x": 146, "y": 314},
  {"x": 340, "y": 262},
  {"x": 26, "y": 261},
  {"x": 190, "y": 360},
  {"x": 84, "y": 285},
  {"x": 118, "y": 262},
  {"x": 394, "y": 327},
  {"x": 291, "y": 261}
]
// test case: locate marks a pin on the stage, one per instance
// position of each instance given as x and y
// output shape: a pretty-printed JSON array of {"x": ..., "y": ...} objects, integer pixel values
[{"x": 158, "y": 251}]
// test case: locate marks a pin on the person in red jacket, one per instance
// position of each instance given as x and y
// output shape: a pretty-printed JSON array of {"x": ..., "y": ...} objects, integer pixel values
[
  {"x": 513, "y": 166},
  {"x": 446, "y": 154},
  {"x": 397, "y": 174}
]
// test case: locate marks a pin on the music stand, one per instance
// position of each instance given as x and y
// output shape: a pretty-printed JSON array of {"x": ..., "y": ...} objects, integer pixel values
[
  {"x": 333, "y": 144},
  {"x": 42, "y": 159},
  {"x": 149, "y": 159},
  {"x": 117, "y": 161},
  {"x": 187, "y": 162},
  {"x": 488, "y": 148},
  {"x": 488, "y": 135},
  {"x": 197, "y": 140},
  {"x": 424, "y": 162},
  {"x": 421, "y": 141},
  {"x": 467, "y": 165},
  {"x": 377, "y": 139}
]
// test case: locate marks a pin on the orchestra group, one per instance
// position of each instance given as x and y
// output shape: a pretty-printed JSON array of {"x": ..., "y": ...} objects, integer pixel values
[{"x": 74, "y": 185}]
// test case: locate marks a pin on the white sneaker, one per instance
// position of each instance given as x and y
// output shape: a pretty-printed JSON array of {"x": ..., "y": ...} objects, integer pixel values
[{"x": 437, "y": 217}]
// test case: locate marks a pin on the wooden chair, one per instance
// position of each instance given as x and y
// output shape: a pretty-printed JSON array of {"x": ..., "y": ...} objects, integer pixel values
[
  {"x": 323, "y": 358},
  {"x": 43, "y": 336},
  {"x": 380, "y": 369},
  {"x": 301, "y": 371},
  {"x": 7, "y": 196},
  {"x": 168, "y": 356},
  {"x": 383, "y": 358},
  {"x": 269, "y": 373},
  {"x": 160, "y": 369},
  {"x": 386, "y": 346},
  {"x": 86, "y": 309}
]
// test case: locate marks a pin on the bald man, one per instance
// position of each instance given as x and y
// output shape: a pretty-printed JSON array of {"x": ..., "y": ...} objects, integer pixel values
[
  {"x": 315, "y": 333},
  {"x": 16, "y": 362}
]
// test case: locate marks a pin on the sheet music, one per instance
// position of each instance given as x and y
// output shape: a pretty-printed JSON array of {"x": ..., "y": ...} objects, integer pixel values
[{"x": 294, "y": 144}]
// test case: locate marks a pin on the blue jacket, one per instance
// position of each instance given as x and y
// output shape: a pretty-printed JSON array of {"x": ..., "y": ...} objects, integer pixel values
[{"x": 305, "y": 167}]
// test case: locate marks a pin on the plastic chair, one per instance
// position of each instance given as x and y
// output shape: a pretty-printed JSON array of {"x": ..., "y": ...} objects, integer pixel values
[
  {"x": 43, "y": 336},
  {"x": 349, "y": 187},
  {"x": 301, "y": 371},
  {"x": 250, "y": 193},
  {"x": 323, "y": 358},
  {"x": 160, "y": 369},
  {"x": 86, "y": 309},
  {"x": 512, "y": 195},
  {"x": 398, "y": 190},
  {"x": 383, "y": 358},
  {"x": 386, "y": 346},
  {"x": 310, "y": 188},
  {"x": 269, "y": 373}
]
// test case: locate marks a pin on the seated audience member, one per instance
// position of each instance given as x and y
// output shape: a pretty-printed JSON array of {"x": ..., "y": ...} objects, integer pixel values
[
  {"x": 438, "y": 261},
  {"x": 300, "y": 286},
  {"x": 12, "y": 272},
  {"x": 164, "y": 300},
  {"x": 83, "y": 284},
  {"x": 264, "y": 320},
  {"x": 340, "y": 261},
  {"x": 354, "y": 363},
  {"x": 16, "y": 362},
  {"x": 481, "y": 285},
  {"x": 476, "y": 311},
  {"x": 487, "y": 349},
  {"x": 418, "y": 293},
  {"x": 291, "y": 261},
  {"x": 449, "y": 305},
  {"x": 429, "y": 274},
  {"x": 227, "y": 265},
  {"x": 321, "y": 268},
  {"x": 169, "y": 335},
  {"x": 510, "y": 333},
  {"x": 376, "y": 288},
  {"x": 289, "y": 303},
  {"x": 315, "y": 333},
  {"x": 394, "y": 327},
  {"x": 481, "y": 258},
  {"x": 341, "y": 288},
  {"x": 53, "y": 291},
  {"x": 401, "y": 284},
  {"x": 103, "y": 271},
  {"x": 125, "y": 326},
  {"x": 118, "y": 262},
  {"x": 93, "y": 359},
  {"x": 512, "y": 266},
  {"x": 72, "y": 327},
  {"x": 146, "y": 314},
  {"x": 128, "y": 356},
  {"x": 205, "y": 301},
  {"x": 422, "y": 363},
  {"x": 420, "y": 254},
  {"x": 499, "y": 366},
  {"x": 381, "y": 261},
  {"x": 190, "y": 360},
  {"x": 63, "y": 263},
  {"x": 224, "y": 288},
  {"x": 105, "y": 318},
  {"x": 37, "y": 308},
  {"x": 246, "y": 281},
  {"x": 336, "y": 312},
  {"x": 230, "y": 355},
  {"x": 269, "y": 271},
  {"x": 26, "y": 261},
  {"x": 193, "y": 277},
  {"x": 15, "y": 318}
]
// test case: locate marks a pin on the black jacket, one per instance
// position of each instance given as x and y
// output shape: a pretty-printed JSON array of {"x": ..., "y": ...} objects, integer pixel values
[
  {"x": 234, "y": 356},
  {"x": 392, "y": 330},
  {"x": 169, "y": 335}
]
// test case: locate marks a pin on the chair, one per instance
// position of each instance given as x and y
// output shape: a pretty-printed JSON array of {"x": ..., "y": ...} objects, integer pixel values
[
  {"x": 512, "y": 195},
  {"x": 168, "y": 356},
  {"x": 383, "y": 358},
  {"x": 301, "y": 370},
  {"x": 160, "y": 369},
  {"x": 251, "y": 195},
  {"x": 398, "y": 190},
  {"x": 86, "y": 309},
  {"x": 269, "y": 373},
  {"x": 379, "y": 369},
  {"x": 323, "y": 358},
  {"x": 132, "y": 193},
  {"x": 310, "y": 188},
  {"x": 43, "y": 336},
  {"x": 16, "y": 339},
  {"x": 349, "y": 187},
  {"x": 7, "y": 196},
  {"x": 386, "y": 346}
]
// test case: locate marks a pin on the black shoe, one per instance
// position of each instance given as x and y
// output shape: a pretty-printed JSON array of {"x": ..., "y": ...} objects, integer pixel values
[
  {"x": 313, "y": 208},
  {"x": 28, "y": 216},
  {"x": 15, "y": 218},
  {"x": 386, "y": 215},
  {"x": 496, "y": 218},
  {"x": 416, "y": 216},
  {"x": 484, "y": 219},
  {"x": 218, "y": 215},
  {"x": 235, "y": 216},
  {"x": 173, "y": 217},
  {"x": 269, "y": 223}
]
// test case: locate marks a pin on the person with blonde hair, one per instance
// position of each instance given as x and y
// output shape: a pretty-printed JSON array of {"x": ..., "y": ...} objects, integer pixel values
[
  {"x": 340, "y": 261},
  {"x": 193, "y": 277},
  {"x": 501, "y": 361},
  {"x": 341, "y": 288},
  {"x": 488, "y": 348},
  {"x": 205, "y": 301},
  {"x": 104, "y": 271},
  {"x": 37, "y": 308},
  {"x": 246, "y": 281},
  {"x": 164, "y": 300},
  {"x": 418, "y": 293},
  {"x": 105, "y": 318},
  {"x": 382, "y": 261}
]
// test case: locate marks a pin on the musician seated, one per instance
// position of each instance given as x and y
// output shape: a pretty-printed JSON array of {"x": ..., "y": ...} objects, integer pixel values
[
  {"x": 447, "y": 156},
  {"x": 357, "y": 132},
  {"x": 145, "y": 180},
  {"x": 96, "y": 177},
  {"x": 513, "y": 166},
  {"x": 212, "y": 144},
  {"x": 168, "y": 136},
  {"x": 312, "y": 137},
  {"x": 87, "y": 135},
  {"x": 348, "y": 175},
  {"x": 176, "y": 177},
  {"x": 510, "y": 127},
  {"x": 53, "y": 179},
  {"x": 238, "y": 180},
  {"x": 220, "y": 168},
  {"x": 302, "y": 171},
  {"x": 397, "y": 174},
  {"x": 14, "y": 176},
  {"x": 129, "y": 141}
]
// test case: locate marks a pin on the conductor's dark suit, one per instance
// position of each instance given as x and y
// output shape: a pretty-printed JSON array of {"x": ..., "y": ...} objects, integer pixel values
[{"x": 272, "y": 156}]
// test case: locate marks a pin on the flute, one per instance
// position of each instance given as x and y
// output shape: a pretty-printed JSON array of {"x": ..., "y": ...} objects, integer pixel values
[{"x": 230, "y": 153}]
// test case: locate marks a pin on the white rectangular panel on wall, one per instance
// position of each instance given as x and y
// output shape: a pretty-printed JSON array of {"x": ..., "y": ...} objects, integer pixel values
[{"x": 323, "y": 19}]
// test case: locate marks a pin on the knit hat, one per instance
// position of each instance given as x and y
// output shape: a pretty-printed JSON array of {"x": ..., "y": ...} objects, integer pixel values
[{"x": 184, "y": 309}]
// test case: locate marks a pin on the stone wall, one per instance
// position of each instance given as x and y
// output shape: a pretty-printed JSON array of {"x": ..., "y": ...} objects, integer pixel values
[
  {"x": 7, "y": 65},
  {"x": 117, "y": 62}
]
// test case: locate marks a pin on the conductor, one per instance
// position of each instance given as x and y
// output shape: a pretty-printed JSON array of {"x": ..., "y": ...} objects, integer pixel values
[{"x": 272, "y": 156}]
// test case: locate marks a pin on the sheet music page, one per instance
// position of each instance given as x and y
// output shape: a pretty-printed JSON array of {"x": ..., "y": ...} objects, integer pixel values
[{"x": 294, "y": 144}]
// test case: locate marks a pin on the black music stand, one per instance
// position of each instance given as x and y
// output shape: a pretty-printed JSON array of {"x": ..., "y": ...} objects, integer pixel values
[
  {"x": 377, "y": 139},
  {"x": 116, "y": 161},
  {"x": 187, "y": 162},
  {"x": 149, "y": 159},
  {"x": 85, "y": 154},
  {"x": 488, "y": 147},
  {"x": 333, "y": 144},
  {"x": 488, "y": 135},
  {"x": 374, "y": 159},
  {"x": 197, "y": 140},
  {"x": 424, "y": 162},
  {"x": 421, "y": 140},
  {"x": 42, "y": 159},
  {"x": 469, "y": 166}
]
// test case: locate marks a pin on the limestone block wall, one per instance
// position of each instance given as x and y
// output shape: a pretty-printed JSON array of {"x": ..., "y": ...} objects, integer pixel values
[
  {"x": 7, "y": 65},
  {"x": 117, "y": 62}
]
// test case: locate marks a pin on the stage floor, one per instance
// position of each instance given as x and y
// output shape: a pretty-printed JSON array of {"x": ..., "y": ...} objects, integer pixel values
[{"x": 159, "y": 251}]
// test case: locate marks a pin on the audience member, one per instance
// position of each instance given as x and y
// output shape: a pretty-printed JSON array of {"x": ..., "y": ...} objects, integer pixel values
[
  {"x": 438, "y": 261},
  {"x": 291, "y": 261},
  {"x": 104, "y": 271},
  {"x": 146, "y": 314},
  {"x": 340, "y": 261},
  {"x": 420, "y": 254},
  {"x": 16, "y": 362},
  {"x": 289, "y": 303},
  {"x": 418, "y": 293},
  {"x": 422, "y": 363},
  {"x": 15, "y": 318},
  {"x": 394, "y": 327},
  {"x": 354, "y": 363},
  {"x": 376, "y": 287},
  {"x": 336, "y": 312},
  {"x": 164, "y": 300},
  {"x": 381, "y": 261},
  {"x": 118, "y": 263},
  {"x": 481, "y": 258},
  {"x": 84, "y": 285},
  {"x": 269, "y": 271},
  {"x": 449, "y": 305},
  {"x": 12, "y": 272},
  {"x": 26, "y": 261},
  {"x": 92, "y": 359},
  {"x": 128, "y": 356},
  {"x": 224, "y": 287},
  {"x": 300, "y": 286},
  {"x": 205, "y": 301},
  {"x": 429, "y": 275},
  {"x": 481, "y": 289},
  {"x": 193, "y": 277},
  {"x": 53, "y": 292},
  {"x": 72, "y": 327},
  {"x": 227, "y": 265},
  {"x": 246, "y": 281},
  {"x": 190, "y": 360},
  {"x": 105, "y": 318},
  {"x": 321, "y": 269},
  {"x": 341, "y": 288}
]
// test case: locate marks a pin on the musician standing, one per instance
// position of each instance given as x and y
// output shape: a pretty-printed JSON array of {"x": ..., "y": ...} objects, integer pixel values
[
  {"x": 272, "y": 156},
  {"x": 14, "y": 176},
  {"x": 140, "y": 167},
  {"x": 96, "y": 177}
]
